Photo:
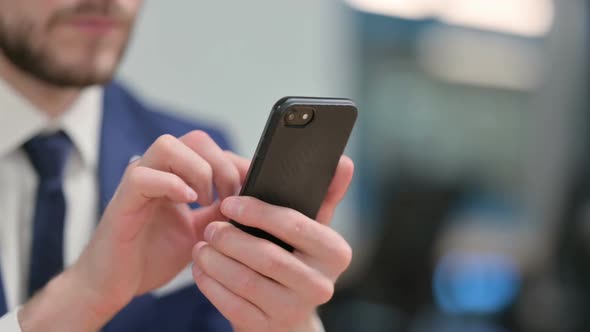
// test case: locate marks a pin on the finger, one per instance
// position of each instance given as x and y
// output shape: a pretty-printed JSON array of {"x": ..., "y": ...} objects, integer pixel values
[
  {"x": 168, "y": 154},
  {"x": 304, "y": 234},
  {"x": 275, "y": 300},
  {"x": 240, "y": 312},
  {"x": 225, "y": 173},
  {"x": 337, "y": 190},
  {"x": 139, "y": 186},
  {"x": 242, "y": 164},
  {"x": 270, "y": 260}
]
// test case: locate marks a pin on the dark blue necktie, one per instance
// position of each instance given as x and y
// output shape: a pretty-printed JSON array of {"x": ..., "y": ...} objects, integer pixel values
[{"x": 48, "y": 155}]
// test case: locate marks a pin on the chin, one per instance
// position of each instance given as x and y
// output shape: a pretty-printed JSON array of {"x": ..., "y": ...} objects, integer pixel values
[
  {"x": 91, "y": 70},
  {"x": 78, "y": 76}
]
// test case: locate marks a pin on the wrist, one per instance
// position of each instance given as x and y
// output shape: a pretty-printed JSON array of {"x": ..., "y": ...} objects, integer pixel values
[
  {"x": 66, "y": 303},
  {"x": 101, "y": 302}
]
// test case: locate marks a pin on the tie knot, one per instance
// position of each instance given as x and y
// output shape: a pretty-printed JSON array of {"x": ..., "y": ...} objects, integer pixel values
[{"x": 49, "y": 154}]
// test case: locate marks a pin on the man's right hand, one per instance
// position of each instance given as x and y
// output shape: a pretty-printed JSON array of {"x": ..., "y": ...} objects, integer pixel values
[{"x": 146, "y": 234}]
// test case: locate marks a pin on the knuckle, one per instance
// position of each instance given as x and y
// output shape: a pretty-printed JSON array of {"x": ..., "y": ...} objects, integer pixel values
[
  {"x": 229, "y": 174},
  {"x": 199, "y": 136},
  {"x": 164, "y": 143},
  {"x": 344, "y": 255},
  {"x": 205, "y": 172},
  {"x": 323, "y": 291},
  {"x": 247, "y": 284},
  {"x": 165, "y": 140},
  {"x": 135, "y": 176},
  {"x": 275, "y": 262}
]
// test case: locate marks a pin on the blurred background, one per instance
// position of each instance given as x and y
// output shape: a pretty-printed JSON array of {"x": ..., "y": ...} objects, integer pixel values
[{"x": 470, "y": 209}]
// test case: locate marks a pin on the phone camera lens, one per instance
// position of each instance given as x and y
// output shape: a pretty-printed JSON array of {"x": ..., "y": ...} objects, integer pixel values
[{"x": 299, "y": 117}]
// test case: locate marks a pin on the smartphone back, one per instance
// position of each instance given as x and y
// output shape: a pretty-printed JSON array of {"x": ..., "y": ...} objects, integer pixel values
[{"x": 294, "y": 163}]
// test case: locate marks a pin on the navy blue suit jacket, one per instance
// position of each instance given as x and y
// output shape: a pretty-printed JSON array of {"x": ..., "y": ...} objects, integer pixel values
[{"x": 128, "y": 128}]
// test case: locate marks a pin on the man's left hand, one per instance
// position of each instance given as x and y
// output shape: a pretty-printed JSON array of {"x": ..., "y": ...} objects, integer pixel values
[{"x": 259, "y": 286}]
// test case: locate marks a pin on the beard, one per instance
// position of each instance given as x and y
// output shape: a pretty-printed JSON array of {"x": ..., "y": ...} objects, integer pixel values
[{"x": 33, "y": 52}]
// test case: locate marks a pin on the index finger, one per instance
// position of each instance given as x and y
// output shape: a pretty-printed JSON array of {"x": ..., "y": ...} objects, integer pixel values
[
  {"x": 224, "y": 173},
  {"x": 242, "y": 164}
]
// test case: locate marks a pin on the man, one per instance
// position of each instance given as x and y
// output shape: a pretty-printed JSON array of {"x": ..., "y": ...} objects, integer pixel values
[{"x": 66, "y": 138}]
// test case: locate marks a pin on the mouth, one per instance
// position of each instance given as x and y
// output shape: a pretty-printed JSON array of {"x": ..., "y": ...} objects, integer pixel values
[{"x": 94, "y": 24}]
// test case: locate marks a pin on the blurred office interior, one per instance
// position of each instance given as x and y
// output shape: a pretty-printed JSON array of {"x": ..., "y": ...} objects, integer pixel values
[{"x": 470, "y": 206}]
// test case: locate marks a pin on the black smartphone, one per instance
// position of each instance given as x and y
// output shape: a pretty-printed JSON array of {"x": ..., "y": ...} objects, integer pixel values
[{"x": 297, "y": 155}]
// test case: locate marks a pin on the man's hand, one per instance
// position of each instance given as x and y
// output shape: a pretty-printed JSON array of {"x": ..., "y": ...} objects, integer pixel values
[
  {"x": 258, "y": 285},
  {"x": 145, "y": 236}
]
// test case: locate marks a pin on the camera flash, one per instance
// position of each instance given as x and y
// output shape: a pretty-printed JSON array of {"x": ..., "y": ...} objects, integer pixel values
[{"x": 305, "y": 116}]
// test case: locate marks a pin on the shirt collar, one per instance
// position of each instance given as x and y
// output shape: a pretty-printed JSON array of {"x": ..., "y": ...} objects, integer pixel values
[
  {"x": 20, "y": 121},
  {"x": 82, "y": 124}
]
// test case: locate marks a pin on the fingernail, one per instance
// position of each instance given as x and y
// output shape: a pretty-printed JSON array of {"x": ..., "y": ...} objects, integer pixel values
[
  {"x": 191, "y": 195},
  {"x": 209, "y": 231},
  {"x": 231, "y": 207},
  {"x": 196, "y": 249}
]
